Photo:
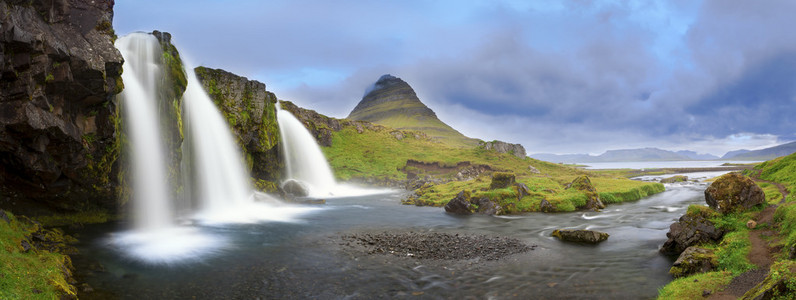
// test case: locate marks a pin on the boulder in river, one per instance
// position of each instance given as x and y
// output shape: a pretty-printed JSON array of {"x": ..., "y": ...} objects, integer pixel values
[
  {"x": 691, "y": 229},
  {"x": 580, "y": 235},
  {"x": 694, "y": 260},
  {"x": 733, "y": 192},
  {"x": 295, "y": 188},
  {"x": 675, "y": 178}
]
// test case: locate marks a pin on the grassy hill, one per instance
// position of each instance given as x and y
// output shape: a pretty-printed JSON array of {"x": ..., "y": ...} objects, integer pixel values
[
  {"x": 365, "y": 152},
  {"x": 393, "y": 103}
]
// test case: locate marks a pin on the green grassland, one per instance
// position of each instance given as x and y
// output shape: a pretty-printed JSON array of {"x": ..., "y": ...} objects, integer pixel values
[{"x": 377, "y": 154}]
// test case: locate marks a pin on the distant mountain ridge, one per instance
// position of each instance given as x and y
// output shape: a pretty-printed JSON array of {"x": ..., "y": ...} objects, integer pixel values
[
  {"x": 762, "y": 154},
  {"x": 392, "y": 102},
  {"x": 641, "y": 154}
]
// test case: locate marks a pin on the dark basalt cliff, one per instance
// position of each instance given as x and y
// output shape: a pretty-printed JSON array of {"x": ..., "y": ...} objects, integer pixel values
[
  {"x": 59, "y": 72},
  {"x": 251, "y": 111}
]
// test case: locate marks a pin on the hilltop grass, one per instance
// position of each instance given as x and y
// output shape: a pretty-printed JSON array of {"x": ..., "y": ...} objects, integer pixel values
[
  {"x": 35, "y": 274},
  {"x": 377, "y": 154}
]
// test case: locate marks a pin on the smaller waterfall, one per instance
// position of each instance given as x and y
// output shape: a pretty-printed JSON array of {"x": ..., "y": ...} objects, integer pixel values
[{"x": 303, "y": 157}]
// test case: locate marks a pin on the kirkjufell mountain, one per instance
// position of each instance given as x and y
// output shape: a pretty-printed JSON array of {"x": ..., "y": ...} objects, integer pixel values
[{"x": 392, "y": 102}]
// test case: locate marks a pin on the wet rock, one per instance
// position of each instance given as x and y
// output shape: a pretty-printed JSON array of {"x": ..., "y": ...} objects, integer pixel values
[
  {"x": 580, "y": 235},
  {"x": 694, "y": 260},
  {"x": 733, "y": 192},
  {"x": 59, "y": 72},
  {"x": 676, "y": 178},
  {"x": 501, "y": 180},
  {"x": 464, "y": 204},
  {"x": 583, "y": 184},
  {"x": 295, "y": 188},
  {"x": 692, "y": 229}
]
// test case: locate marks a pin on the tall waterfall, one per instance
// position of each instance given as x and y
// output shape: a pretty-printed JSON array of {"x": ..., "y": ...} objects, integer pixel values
[
  {"x": 303, "y": 157},
  {"x": 151, "y": 203}
]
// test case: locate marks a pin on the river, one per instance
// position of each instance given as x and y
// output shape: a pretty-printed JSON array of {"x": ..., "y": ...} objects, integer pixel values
[{"x": 307, "y": 258}]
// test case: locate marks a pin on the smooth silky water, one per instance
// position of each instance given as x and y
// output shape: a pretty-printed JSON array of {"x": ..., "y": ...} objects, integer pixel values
[{"x": 307, "y": 258}]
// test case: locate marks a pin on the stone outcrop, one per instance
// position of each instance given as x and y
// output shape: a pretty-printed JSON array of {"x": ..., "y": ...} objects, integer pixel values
[
  {"x": 501, "y": 180},
  {"x": 251, "y": 112},
  {"x": 583, "y": 184},
  {"x": 580, "y": 235},
  {"x": 319, "y": 125},
  {"x": 503, "y": 147},
  {"x": 464, "y": 204},
  {"x": 392, "y": 102},
  {"x": 693, "y": 228},
  {"x": 733, "y": 192},
  {"x": 59, "y": 72},
  {"x": 694, "y": 260}
]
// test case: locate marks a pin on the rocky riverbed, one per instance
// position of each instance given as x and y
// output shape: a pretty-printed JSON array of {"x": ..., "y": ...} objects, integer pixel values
[{"x": 437, "y": 245}]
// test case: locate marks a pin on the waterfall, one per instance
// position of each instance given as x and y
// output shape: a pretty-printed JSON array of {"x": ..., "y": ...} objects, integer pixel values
[
  {"x": 151, "y": 203},
  {"x": 220, "y": 181},
  {"x": 303, "y": 157}
]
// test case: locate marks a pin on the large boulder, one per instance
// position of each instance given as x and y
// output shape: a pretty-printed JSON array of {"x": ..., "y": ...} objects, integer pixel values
[
  {"x": 295, "y": 188},
  {"x": 693, "y": 228},
  {"x": 59, "y": 72},
  {"x": 583, "y": 184},
  {"x": 580, "y": 235},
  {"x": 733, "y": 192},
  {"x": 675, "y": 178},
  {"x": 501, "y": 180},
  {"x": 465, "y": 204},
  {"x": 694, "y": 260}
]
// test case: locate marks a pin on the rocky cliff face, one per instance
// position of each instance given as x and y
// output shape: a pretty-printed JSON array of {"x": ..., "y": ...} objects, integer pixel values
[
  {"x": 392, "y": 102},
  {"x": 251, "y": 111},
  {"x": 503, "y": 147},
  {"x": 59, "y": 72}
]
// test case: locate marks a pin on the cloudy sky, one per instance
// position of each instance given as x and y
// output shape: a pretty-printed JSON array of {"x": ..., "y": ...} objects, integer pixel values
[{"x": 556, "y": 76}]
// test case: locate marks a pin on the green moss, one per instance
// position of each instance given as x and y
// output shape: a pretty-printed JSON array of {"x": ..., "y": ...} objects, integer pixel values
[
  {"x": 35, "y": 274},
  {"x": 691, "y": 287},
  {"x": 779, "y": 284},
  {"x": 86, "y": 217}
]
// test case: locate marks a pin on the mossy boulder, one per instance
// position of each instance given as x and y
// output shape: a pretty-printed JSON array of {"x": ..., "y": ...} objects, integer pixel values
[
  {"x": 583, "y": 184},
  {"x": 502, "y": 180},
  {"x": 694, "y": 260},
  {"x": 675, "y": 178},
  {"x": 693, "y": 228},
  {"x": 580, "y": 235},
  {"x": 465, "y": 204},
  {"x": 733, "y": 192}
]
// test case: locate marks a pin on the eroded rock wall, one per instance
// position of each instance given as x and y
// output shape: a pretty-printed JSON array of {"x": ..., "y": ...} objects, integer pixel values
[
  {"x": 251, "y": 112},
  {"x": 59, "y": 72}
]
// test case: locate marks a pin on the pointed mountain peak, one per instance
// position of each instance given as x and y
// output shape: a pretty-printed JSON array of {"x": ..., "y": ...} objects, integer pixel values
[{"x": 390, "y": 101}]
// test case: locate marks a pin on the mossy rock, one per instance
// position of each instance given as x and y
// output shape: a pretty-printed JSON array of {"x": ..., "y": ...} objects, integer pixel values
[
  {"x": 583, "y": 184},
  {"x": 693, "y": 228},
  {"x": 502, "y": 180},
  {"x": 734, "y": 192},
  {"x": 694, "y": 260},
  {"x": 580, "y": 235},
  {"x": 675, "y": 178}
]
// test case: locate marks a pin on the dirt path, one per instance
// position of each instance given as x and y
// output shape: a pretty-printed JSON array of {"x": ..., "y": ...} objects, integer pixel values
[{"x": 760, "y": 254}]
